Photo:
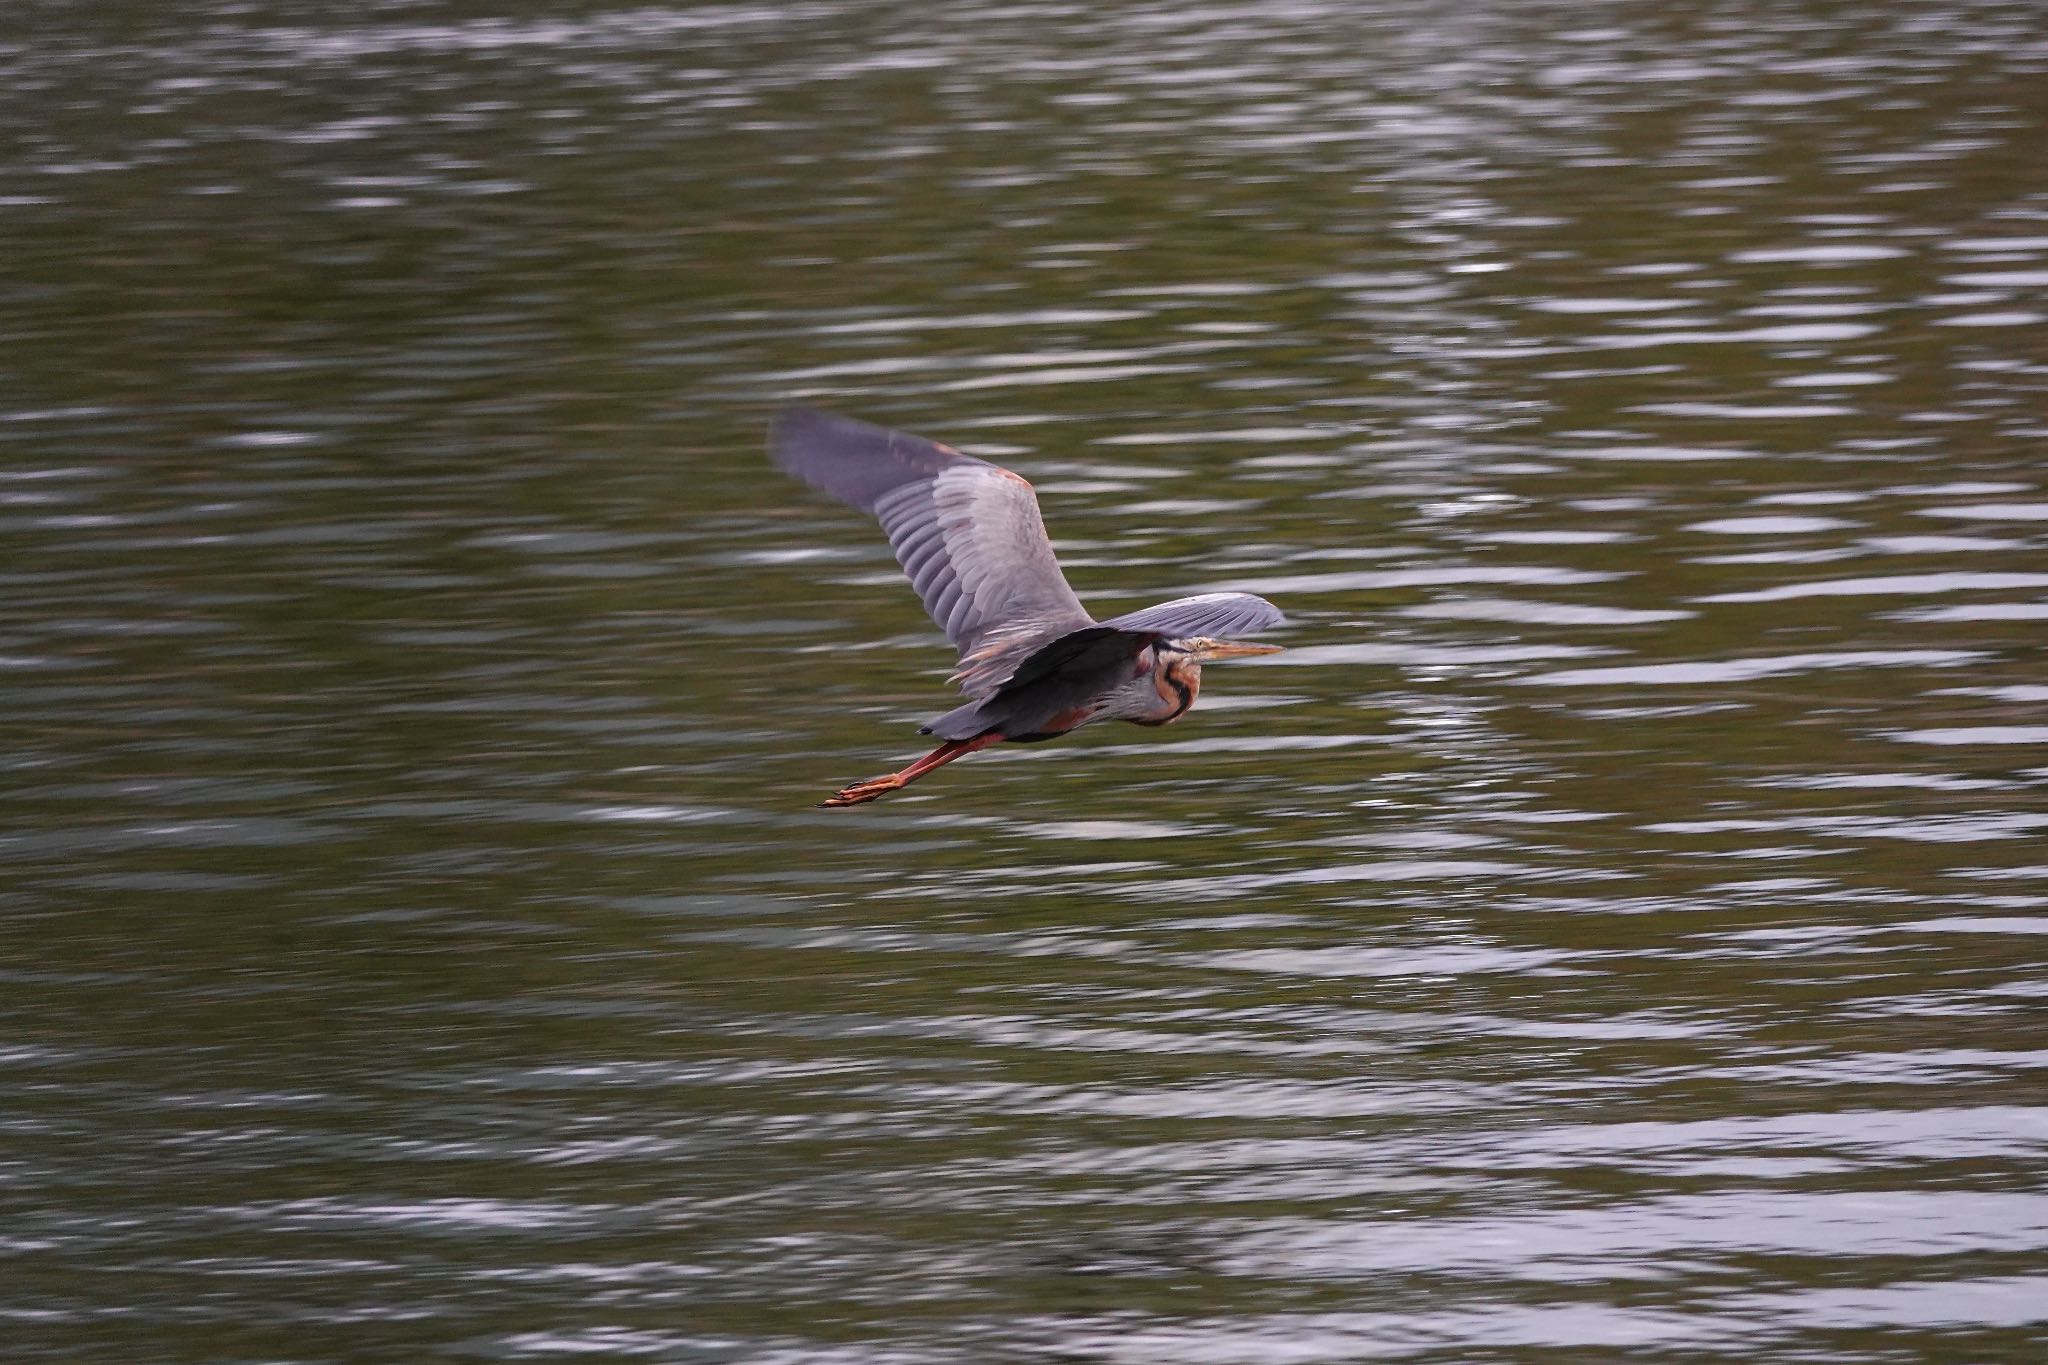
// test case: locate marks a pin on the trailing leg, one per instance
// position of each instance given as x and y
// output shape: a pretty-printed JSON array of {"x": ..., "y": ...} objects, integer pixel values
[{"x": 861, "y": 792}]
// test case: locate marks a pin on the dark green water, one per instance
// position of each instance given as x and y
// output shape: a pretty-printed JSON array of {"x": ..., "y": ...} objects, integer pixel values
[{"x": 1612, "y": 932}]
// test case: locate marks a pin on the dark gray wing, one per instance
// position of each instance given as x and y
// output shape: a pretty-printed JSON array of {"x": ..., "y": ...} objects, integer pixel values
[
  {"x": 967, "y": 532},
  {"x": 1214, "y": 615}
]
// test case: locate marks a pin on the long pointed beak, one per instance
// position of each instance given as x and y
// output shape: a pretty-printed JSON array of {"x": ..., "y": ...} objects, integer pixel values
[{"x": 1224, "y": 649}]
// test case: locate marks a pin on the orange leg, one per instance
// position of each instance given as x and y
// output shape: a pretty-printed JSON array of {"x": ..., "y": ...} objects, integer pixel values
[{"x": 861, "y": 792}]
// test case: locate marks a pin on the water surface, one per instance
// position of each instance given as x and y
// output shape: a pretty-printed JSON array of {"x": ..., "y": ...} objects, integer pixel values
[{"x": 1613, "y": 930}]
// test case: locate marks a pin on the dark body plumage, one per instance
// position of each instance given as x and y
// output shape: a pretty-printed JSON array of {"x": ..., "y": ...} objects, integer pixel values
[
  {"x": 1033, "y": 663},
  {"x": 1060, "y": 677}
]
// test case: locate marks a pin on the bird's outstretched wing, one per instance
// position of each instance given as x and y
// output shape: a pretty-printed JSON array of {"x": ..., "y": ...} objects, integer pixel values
[
  {"x": 1216, "y": 615},
  {"x": 967, "y": 533}
]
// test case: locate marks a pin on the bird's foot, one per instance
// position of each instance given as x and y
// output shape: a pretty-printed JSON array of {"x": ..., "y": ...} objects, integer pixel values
[{"x": 860, "y": 793}]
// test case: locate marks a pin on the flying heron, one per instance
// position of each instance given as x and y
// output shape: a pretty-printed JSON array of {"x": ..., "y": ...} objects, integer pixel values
[{"x": 1033, "y": 663}]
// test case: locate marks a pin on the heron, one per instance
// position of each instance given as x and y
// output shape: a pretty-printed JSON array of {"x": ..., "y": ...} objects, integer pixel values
[{"x": 1033, "y": 663}]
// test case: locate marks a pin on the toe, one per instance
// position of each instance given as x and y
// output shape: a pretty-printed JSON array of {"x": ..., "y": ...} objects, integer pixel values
[{"x": 860, "y": 793}]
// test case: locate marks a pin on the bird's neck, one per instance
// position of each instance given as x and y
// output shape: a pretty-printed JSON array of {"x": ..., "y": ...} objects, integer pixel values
[{"x": 1174, "y": 683}]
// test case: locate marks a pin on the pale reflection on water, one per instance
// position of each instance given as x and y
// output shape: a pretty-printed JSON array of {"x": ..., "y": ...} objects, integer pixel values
[{"x": 1611, "y": 931}]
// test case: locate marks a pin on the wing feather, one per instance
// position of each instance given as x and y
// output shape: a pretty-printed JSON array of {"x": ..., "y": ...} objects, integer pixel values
[
  {"x": 943, "y": 607},
  {"x": 967, "y": 533},
  {"x": 921, "y": 570},
  {"x": 919, "y": 544},
  {"x": 1216, "y": 615}
]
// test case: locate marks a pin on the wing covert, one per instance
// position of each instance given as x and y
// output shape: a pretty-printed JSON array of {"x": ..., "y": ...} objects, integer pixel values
[{"x": 1216, "y": 615}]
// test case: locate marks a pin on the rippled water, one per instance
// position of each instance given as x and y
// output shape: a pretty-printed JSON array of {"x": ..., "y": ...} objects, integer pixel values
[{"x": 1613, "y": 931}]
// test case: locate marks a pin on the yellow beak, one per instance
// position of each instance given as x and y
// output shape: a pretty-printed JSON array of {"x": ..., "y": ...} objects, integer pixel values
[{"x": 1208, "y": 651}]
